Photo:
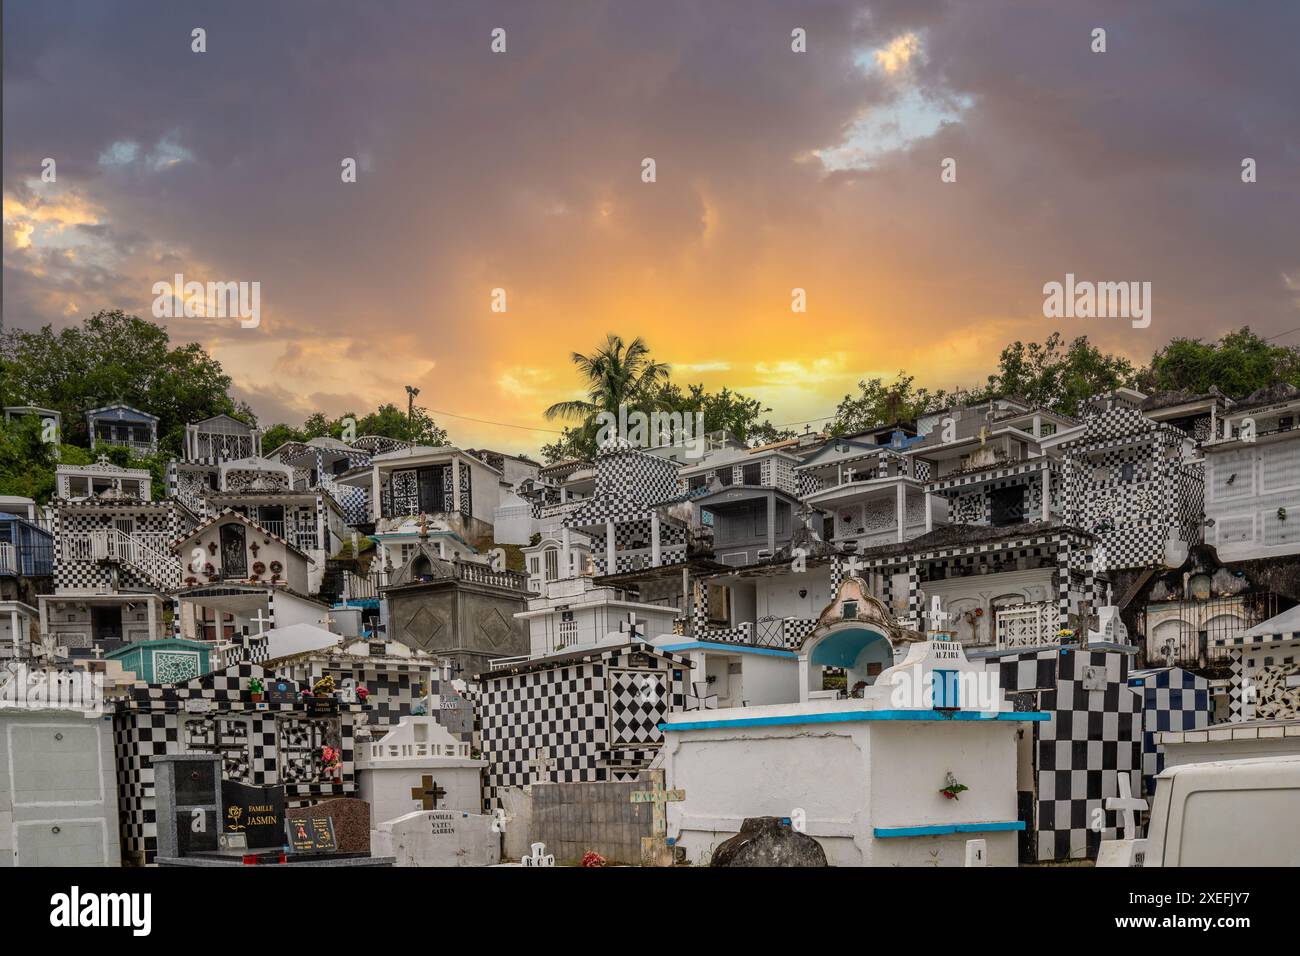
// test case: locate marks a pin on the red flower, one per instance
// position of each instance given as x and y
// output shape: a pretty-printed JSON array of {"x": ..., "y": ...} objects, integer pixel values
[{"x": 592, "y": 858}]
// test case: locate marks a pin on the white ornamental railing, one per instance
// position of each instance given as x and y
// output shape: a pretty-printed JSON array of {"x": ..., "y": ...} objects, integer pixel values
[
  {"x": 8, "y": 559},
  {"x": 1027, "y": 625},
  {"x": 300, "y": 536},
  {"x": 143, "y": 551}
]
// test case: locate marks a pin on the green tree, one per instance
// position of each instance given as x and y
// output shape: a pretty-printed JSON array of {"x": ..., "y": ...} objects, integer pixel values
[
  {"x": 616, "y": 373},
  {"x": 724, "y": 410},
  {"x": 878, "y": 404},
  {"x": 1239, "y": 363},
  {"x": 387, "y": 420},
  {"x": 1056, "y": 376},
  {"x": 115, "y": 357}
]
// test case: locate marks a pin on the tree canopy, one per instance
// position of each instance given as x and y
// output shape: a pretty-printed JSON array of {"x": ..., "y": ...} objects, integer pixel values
[
  {"x": 114, "y": 357},
  {"x": 387, "y": 420},
  {"x": 617, "y": 374},
  {"x": 1239, "y": 363}
]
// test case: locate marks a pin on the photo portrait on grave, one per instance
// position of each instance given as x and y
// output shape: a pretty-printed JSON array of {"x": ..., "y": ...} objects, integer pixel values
[{"x": 717, "y": 435}]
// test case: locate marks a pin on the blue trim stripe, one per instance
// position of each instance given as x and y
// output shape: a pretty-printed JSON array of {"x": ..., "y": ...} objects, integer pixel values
[
  {"x": 730, "y": 648},
  {"x": 846, "y": 716},
  {"x": 947, "y": 828}
]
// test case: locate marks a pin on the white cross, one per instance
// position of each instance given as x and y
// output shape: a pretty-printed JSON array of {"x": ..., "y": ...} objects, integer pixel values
[
  {"x": 261, "y": 620},
  {"x": 850, "y": 472},
  {"x": 853, "y": 564},
  {"x": 938, "y": 616},
  {"x": 539, "y": 857},
  {"x": 1126, "y": 803}
]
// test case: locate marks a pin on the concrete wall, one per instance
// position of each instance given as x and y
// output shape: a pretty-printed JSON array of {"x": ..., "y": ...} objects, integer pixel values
[
  {"x": 960, "y": 595},
  {"x": 573, "y": 818},
  {"x": 1264, "y": 477},
  {"x": 847, "y": 778},
  {"x": 387, "y": 787},
  {"x": 71, "y": 626},
  {"x": 473, "y": 625},
  {"x": 778, "y": 595},
  {"x": 294, "y": 565},
  {"x": 58, "y": 798}
]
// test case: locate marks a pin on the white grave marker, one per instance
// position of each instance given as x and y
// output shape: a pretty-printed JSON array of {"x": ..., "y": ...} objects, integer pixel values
[
  {"x": 539, "y": 857},
  {"x": 1126, "y": 803}
]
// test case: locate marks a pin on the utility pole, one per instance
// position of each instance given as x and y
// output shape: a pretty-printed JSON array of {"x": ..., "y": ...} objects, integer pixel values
[{"x": 411, "y": 392}]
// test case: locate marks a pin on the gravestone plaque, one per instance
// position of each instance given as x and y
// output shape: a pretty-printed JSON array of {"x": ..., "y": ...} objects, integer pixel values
[
  {"x": 309, "y": 833},
  {"x": 257, "y": 812},
  {"x": 322, "y": 705},
  {"x": 453, "y": 712},
  {"x": 280, "y": 691},
  {"x": 439, "y": 838},
  {"x": 351, "y": 819}
]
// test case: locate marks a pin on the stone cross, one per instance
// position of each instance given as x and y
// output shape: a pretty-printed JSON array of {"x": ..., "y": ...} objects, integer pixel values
[
  {"x": 659, "y": 798},
  {"x": 262, "y": 620},
  {"x": 428, "y": 792},
  {"x": 539, "y": 857},
  {"x": 853, "y": 564},
  {"x": 1126, "y": 803}
]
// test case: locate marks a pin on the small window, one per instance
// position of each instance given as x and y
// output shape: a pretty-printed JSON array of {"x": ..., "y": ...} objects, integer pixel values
[
  {"x": 753, "y": 474},
  {"x": 1126, "y": 472},
  {"x": 696, "y": 482},
  {"x": 725, "y": 476}
]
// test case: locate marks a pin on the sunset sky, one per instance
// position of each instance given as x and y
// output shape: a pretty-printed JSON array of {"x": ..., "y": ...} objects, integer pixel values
[{"x": 522, "y": 171}]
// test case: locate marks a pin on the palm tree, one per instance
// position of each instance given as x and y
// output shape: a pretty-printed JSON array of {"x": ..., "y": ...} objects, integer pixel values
[{"x": 616, "y": 374}]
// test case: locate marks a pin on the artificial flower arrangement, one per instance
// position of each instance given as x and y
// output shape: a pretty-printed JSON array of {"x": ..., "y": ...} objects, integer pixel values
[
  {"x": 1064, "y": 634},
  {"x": 255, "y": 688},
  {"x": 953, "y": 788},
  {"x": 592, "y": 858},
  {"x": 324, "y": 687},
  {"x": 362, "y": 694},
  {"x": 330, "y": 757}
]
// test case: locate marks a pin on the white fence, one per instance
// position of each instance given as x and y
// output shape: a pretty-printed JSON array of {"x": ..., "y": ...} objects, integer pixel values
[{"x": 1027, "y": 625}]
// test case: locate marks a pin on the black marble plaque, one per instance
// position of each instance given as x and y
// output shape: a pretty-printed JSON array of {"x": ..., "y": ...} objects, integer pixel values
[{"x": 255, "y": 811}]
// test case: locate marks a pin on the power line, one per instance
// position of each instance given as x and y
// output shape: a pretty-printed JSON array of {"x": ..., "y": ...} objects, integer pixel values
[
  {"x": 484, "y": 421},
  {"x": 1270, "y": 338}
]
